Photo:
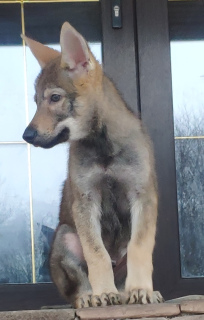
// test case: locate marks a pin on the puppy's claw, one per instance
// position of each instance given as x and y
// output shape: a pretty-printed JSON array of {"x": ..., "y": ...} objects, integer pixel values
[
  {"x": 142, "y": 296},
  {"x": 105, "y": 299}
]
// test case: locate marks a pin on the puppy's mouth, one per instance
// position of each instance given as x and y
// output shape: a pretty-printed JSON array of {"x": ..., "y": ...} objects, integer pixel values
[{"x": 63, "y": 136}]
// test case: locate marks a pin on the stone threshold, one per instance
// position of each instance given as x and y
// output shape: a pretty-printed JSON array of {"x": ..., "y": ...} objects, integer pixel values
[{"x": 185, "y": 308}]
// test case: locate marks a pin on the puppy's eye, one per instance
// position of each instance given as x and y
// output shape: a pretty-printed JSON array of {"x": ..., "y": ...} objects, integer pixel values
[{"x": 55, "y": 98}]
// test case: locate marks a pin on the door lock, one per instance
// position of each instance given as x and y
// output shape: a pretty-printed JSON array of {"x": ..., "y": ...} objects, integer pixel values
[{"x": 116, "y": 14}]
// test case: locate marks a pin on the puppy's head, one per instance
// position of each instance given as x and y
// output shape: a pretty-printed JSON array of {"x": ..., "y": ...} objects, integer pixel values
[{"x": 65, "y": 90}]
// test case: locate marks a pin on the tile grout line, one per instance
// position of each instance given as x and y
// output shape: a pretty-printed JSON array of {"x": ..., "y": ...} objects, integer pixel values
[
  {"x": 188, "y": 137},
  {"x": 44, "y": 1},
  {"x": 12, "y": 142},
  {"x": 29, "y": 151}
]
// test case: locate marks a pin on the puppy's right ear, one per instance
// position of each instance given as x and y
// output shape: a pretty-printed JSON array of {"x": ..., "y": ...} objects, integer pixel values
[{"x": 41, "y": 52}]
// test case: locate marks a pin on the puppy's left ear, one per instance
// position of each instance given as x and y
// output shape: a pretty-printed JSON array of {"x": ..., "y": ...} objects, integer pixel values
[{"x": 76, "y": 56}]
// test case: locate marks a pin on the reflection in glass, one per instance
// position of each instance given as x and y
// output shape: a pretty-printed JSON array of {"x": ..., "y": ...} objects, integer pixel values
[
  {"x": 49, "y": 168},
  {"x": 190, "y": 191},
  {"x": 15, "y": 249},
  {"x": 188, "y": 92},
  {"x": 12, "y": 108},
  {"x": 188, "y": 87}
]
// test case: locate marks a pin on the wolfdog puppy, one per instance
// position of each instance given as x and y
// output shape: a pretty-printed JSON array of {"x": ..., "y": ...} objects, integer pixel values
[{"x": 109, "y": 200}]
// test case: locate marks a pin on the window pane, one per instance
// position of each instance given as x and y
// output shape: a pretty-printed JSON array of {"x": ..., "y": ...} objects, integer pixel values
[
  {"x": 188, "y": 87},
  {"x": 15, "y": 244},
  {"x": 12, "y": 107},
  {"x": 188, "y": 102},
  {"x": 49, "y": 166},
  {"x": 84, "y": 16},
  {"x": 190, "y": 191}
]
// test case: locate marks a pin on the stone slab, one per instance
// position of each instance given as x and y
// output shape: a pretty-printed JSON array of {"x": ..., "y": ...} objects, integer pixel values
[
  {"x": 186, "y": 298},
  {"x": 192, "y": 306},
  {"x": 38, "y": 315},
  {"x": 158, "y": 318},
  {"x": 57, "y": 306},
  {"x": 189, "y": 317},
  {"x": 129, "y": 311}
]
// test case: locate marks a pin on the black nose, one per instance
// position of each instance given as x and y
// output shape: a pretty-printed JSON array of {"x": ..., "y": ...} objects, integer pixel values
[{"x": 29, "y": 134}]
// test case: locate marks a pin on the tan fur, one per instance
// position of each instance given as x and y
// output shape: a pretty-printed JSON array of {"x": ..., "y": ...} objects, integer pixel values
[
  {"x": 42, "y": 53},
  {"x": 109, "y": 201}
]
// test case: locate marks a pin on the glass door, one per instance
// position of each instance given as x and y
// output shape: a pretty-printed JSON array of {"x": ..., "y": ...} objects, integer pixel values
[
  {"x": 170, "y": 56},
  {"x": 187, "y": 49},
  {"x": 30, "y": 179}
]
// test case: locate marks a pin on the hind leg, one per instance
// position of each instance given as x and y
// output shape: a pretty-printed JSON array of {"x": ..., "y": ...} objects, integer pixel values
[
  {"x": 68, "y": 268},
  {"x": 69, "y": 271}
]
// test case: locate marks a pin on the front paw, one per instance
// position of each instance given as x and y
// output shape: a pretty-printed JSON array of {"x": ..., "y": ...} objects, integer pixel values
[
  {"x": 83, "y": 300},
  {"x": 105, "y": 299},
  {"x": 142, "y": 296}
]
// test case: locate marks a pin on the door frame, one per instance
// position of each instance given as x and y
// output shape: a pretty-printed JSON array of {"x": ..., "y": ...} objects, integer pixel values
[{"x": 157, "y": 114}]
